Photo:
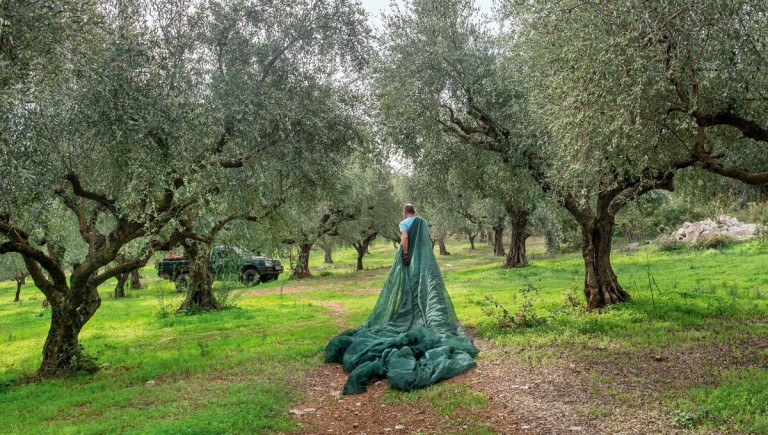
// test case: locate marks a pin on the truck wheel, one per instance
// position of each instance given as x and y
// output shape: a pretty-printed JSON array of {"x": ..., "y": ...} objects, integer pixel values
[
  {"x": 250, "y": 277},
  {"x": 182, "y": 282}
]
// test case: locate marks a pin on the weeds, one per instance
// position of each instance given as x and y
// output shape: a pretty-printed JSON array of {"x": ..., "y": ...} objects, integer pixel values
[
  {"x": 669, "y": 244},
  {"x": 713, "y": 241},
  {"x": 526, "y": 317},
  {"x": 228, "y": 294}
]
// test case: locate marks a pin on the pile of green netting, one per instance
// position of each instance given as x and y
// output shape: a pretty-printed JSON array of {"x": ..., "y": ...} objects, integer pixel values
[{"x": 412, "y": 337}]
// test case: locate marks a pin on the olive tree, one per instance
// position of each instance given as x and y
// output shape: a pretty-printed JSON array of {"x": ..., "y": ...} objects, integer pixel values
[
  {"x": 12, "y": 268},
  {"x": 140, "y": 116},
  {"x": 638, "y": 89},
  {"x": 372, "y": 201},
  {"x": 439, "y": 71}
]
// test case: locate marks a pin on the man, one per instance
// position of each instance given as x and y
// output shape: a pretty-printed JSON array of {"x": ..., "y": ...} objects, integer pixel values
[
  {"x": 412, "y": 336},
  {"x": 409, "y": 213}
]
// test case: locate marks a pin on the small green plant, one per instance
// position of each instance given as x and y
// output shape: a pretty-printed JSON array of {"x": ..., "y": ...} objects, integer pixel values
[
  {"x": 495, "y": 310},
  {"x": 6, "y": 385},
  {"x": 205, "y": 350},
  {"x": 688, "y": 420},
  {"x": 683, "y": 419},
  {"x": 166, "y": 306},
  {"x": 526, "y": 317},
  {"x": 228, "y": 294},
  {"x": 758, "y": 213}
]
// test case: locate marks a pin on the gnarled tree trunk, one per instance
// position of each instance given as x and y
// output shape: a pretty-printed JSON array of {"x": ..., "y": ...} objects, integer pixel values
[
  {"x": 498, "y": 240},
  {"x": 601, "y": 287},
  {"x": 472, "y": 237},
  {"x": 200, "y": 293},
  {"x": 442, "y": 248},
  {"x": 135, "y": 282},
  {"x": 516, "y": 256},
  {"x": 362, "y": 246},
  {"x": 302, "y": 263},
  {"x": 62, "y": 353},
  {"x": 120, "y": 286},
  {"x": 328, "y": 257},
  {"x": 20, "y": 279}
]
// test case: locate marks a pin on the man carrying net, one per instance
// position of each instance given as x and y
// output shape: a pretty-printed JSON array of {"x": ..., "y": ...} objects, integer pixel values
[{"x": 412, "y": 337}]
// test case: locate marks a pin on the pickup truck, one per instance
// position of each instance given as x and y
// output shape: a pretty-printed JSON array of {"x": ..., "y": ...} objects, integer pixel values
[{"x": 226, "y": 262}]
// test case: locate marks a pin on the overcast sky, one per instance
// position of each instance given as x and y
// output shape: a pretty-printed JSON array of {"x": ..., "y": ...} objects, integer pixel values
[{"x": 375, "y": 7}]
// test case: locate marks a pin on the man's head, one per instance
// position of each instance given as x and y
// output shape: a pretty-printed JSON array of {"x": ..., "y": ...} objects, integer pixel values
[{"x": 408, "y": 210}]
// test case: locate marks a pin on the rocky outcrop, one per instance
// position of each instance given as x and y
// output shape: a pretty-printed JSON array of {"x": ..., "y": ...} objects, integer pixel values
[{"x": 725, "y": 225}]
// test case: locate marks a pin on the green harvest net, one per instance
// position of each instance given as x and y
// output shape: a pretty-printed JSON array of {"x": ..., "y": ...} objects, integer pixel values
[{"x": 412, "y": 337}]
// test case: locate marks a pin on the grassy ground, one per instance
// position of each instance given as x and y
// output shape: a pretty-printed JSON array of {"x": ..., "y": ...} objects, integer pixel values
[{"x": 692, "y": 344}]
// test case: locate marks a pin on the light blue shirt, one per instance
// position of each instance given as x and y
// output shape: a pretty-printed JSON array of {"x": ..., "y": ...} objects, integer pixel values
[{"x": 405, "y": 225}]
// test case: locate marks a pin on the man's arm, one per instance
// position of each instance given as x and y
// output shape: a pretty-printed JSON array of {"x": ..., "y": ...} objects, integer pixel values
[{"x": 404, "y": 242}]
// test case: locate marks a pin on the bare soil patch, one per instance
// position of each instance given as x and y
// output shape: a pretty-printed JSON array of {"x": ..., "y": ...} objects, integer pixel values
[{"x": 561, "y": 390}]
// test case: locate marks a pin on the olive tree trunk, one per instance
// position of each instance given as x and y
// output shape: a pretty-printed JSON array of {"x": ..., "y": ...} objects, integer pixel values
[
  {"x": 135, "y": 282},
  {"x": 361, "y": 246},
  {"x": 301, "y": 270},
  {"x": 472, "y": 237},
  {"x": 498, "y": 241},
  {"x": 328, "y": 255},
  {"x": 601, "y": 287},
  {"x": 200, "y": 293},
  {"x": 516, "y": 256},
  {"x": 120, "y": 286},
  {"x": 62, "y": 352},
  {"x": 441, "y": 246},
  {"x": 21, "y": 279}
]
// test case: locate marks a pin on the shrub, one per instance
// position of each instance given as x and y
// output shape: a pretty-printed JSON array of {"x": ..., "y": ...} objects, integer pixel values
[
  {"x": 712, "y": 241},
  {"x": 758, "y": 213},
  {"x": 524, "y": 318},
  {"x": 669, "y": 243}
]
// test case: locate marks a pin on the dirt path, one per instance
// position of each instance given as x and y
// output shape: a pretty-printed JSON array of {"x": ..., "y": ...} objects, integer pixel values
[
  {"x": 515, "y": 405},
  {"x": 523, "y": 397}
]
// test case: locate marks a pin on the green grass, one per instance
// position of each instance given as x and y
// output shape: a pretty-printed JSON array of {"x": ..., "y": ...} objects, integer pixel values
[
  {"x": 445, "y": 398},
  {"x": 237, "y": 371}
]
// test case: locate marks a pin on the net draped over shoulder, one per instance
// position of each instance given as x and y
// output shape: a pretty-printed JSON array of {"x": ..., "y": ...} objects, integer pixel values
[{"x": 412, "y": 337}]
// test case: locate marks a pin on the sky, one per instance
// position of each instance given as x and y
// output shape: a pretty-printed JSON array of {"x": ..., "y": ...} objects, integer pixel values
[{"x": 375, "y": 7}]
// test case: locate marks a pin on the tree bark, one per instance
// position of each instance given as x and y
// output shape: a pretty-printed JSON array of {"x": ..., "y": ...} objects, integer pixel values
[
  {"x": 62, "y": 353},
  {"x": 601, "y": 287},
  {"x": 18, "y": 290},
  {"x": 441, "y": 246},
  {"x": 472, "y": 237},
  {"x": 200, "y": 294},
  {"x": 498, "y": 241},
  {"x": 135, "y": 282},
  {"x": 302, "y": 263},
  {"x": 516, "y": 256},
  {"x": 328, "y": 257},
  {"x": 120, "y": 286},
  {"x": 362, "y": 246}
]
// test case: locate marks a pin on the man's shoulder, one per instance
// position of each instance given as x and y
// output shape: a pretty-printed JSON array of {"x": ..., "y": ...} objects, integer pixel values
[{"x": 406, "y": 223}]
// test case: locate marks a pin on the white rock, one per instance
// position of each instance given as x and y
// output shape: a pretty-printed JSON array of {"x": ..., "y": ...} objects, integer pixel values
[
  {"x": 399, "y": 427},
  {"x": 150, "y": 383}
]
